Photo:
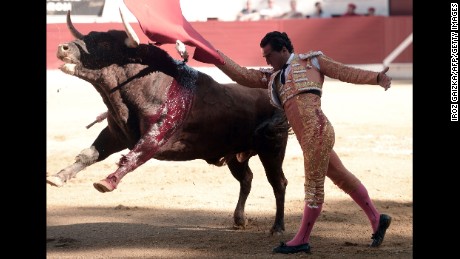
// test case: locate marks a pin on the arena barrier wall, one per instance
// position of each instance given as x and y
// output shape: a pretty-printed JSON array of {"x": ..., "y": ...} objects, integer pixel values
[{"x": 350, "y": 40}]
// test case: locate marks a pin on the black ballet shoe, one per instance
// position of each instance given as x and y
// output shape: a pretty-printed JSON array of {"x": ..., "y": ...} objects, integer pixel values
[
  {"x": 285, "y": 249},
  {"x": 377, "y": 237}
]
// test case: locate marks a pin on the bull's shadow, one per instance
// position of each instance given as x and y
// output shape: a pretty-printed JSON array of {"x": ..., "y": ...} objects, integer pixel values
[{"x": 206, "y": 233}]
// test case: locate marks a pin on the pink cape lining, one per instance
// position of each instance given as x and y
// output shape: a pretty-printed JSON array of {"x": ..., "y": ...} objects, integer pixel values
[{"x": 162, "y": 22}]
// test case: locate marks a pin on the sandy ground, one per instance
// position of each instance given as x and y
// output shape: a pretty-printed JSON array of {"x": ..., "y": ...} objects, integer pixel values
[{"x": 185, "y": 209}]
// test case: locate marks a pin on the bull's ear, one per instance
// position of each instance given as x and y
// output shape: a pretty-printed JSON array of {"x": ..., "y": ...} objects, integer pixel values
[
  {"x": 132, "y": 41},
  {"x": 72, "y": 28}
]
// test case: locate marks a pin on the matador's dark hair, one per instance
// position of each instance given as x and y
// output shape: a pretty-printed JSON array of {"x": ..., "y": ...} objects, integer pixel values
[{"x": 277, "y": 41}]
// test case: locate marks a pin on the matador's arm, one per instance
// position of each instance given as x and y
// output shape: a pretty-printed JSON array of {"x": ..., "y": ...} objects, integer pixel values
[
  {"x": 244, "y": 76},
  {"x": 337, "y": 70}
]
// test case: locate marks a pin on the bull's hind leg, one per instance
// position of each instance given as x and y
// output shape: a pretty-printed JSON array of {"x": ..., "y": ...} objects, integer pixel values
[
  {"x": 243, "y": 174},
  {"x": 104, "y": 145},
  {"x": 272, "y": 163}
]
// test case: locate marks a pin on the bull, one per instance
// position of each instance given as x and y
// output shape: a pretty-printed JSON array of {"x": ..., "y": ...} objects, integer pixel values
[{"x": 161, "y": 108}]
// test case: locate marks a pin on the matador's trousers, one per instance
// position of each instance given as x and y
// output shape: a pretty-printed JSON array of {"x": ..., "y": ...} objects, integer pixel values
[{"x": 316, "y": 138}]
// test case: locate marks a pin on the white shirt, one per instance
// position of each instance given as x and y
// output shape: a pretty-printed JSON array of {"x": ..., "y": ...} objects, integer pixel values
[{"x": 288, "y": 68}]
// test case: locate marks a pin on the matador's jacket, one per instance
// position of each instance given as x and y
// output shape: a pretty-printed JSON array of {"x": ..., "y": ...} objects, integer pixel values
[
  {"x": 300, "y": 75},
  {"x": 300, "y": 97}
]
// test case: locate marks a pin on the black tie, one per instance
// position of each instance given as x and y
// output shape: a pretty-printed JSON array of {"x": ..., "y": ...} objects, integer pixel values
[{"x": 283, "y": 70}]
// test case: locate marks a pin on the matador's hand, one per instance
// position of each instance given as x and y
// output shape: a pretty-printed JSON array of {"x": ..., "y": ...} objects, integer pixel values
[{"x": 383, "y": 80}]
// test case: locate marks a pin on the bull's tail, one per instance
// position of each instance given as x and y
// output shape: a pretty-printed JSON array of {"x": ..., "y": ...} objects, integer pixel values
[{"x": 273, "y": 127}]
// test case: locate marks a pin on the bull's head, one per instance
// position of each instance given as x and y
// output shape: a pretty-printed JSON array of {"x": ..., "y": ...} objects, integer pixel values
[
  {"x": 113, "y": 50},
  {"x": 98, "y": 49}
]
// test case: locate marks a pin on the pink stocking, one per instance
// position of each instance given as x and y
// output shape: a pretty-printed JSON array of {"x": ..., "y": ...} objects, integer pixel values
[
  {"x": 361, "y": 197},
  {"x": 308, "y": 220}
]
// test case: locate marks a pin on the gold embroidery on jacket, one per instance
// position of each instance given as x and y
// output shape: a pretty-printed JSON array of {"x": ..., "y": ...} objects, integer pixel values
[{"x": 297, "y": 81}]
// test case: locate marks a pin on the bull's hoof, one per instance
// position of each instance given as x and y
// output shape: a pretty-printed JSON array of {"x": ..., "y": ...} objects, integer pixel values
[
  {"x": 54, "y": 181},
  {"x": 104, "y": 186},
  {"x": 238, "y": 227},
  {"x": 240, "y": 223},
  {"x": 276, "y": 231}
]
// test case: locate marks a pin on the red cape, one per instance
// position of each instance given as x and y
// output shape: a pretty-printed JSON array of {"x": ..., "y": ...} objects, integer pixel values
[{"x": 162, "y": 22}]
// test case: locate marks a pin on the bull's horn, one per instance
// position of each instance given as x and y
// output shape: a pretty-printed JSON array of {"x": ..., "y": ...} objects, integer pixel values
[
  {"x": 133, "y": 40},
  {"x": 72, "y": 29}
]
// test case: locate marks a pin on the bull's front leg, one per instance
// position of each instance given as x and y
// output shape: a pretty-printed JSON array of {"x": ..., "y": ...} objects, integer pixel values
[
  {"x": 103, "y": 146},
  {"x": 144, "y": 150},
  {"x": 86, "y": 158},
  {"x": 158, "y": 129},
  {"x": 141, "y": 153}
]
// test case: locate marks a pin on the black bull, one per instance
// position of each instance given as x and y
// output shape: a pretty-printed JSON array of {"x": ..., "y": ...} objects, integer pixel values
[{"x": 161, "y": 108}]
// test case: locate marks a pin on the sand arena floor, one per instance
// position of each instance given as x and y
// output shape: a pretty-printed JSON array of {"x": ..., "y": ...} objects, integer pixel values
[{"x": 185, "y": 209}]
